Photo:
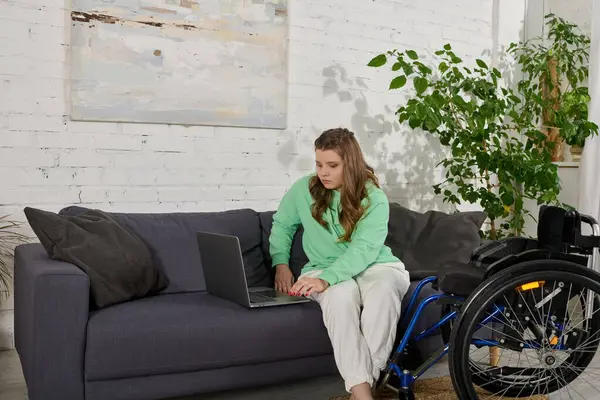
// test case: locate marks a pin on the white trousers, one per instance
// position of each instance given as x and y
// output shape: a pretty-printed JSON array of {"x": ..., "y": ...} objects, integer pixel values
[{"x": 361, "y": 316}]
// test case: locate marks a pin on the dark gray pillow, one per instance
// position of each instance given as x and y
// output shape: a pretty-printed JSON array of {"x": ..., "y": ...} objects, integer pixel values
[
  {"x": 298, "y": 258},
  {"x": 118, "y": 263},
  {"x": 172, "y": 241},
  {"x": 425, "y": 242}
]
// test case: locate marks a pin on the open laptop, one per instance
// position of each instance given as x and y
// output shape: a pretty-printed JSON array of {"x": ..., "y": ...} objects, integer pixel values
[{"x": 223, "y": 266}]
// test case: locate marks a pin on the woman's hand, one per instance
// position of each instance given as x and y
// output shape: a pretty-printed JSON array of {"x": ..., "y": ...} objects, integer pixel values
[
  {"x": 284, "y": 279},
  {"x": 307, "y": 286}
]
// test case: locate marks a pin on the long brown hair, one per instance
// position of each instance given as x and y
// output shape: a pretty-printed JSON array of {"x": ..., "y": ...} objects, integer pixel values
[{"x": 356, "y": 174}]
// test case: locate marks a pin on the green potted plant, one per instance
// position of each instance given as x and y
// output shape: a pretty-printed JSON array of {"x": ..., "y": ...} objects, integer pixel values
[
  {"x": 9, "y": 238},
  {"x": 553, "y": 88},
  {"x": 574, "y": 122},
  {"x": 469, "y": 111}
]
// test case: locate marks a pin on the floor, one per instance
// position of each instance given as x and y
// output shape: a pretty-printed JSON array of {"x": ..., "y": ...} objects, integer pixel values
[{"x": 12, "y": 385}]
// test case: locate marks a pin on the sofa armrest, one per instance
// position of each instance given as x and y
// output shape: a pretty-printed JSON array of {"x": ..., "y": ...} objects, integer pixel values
[{"x": 51, "y": 315}]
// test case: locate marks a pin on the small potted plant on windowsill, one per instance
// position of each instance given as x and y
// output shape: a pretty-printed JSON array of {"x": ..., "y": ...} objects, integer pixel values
[{"x": 574, "y": 122}]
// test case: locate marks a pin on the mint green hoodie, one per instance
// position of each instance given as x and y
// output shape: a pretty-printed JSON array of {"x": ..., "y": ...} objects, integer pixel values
[{"x": 338, "y": 260}]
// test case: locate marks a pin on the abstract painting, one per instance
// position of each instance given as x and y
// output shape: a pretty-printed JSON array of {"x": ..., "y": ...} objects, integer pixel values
[{"x": 189, "y": 62}]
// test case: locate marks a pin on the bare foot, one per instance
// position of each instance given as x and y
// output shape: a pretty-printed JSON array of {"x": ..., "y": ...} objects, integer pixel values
[{"x": 361, "y": 392}]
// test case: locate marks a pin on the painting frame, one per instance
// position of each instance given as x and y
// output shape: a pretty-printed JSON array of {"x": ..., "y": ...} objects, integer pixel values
[{"x": 187, "y": 62}]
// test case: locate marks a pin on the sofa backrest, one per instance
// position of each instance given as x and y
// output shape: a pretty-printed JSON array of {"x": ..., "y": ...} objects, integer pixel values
[
  {"x": 423, "y": 241},
  {"x": 171, "y": 238}
]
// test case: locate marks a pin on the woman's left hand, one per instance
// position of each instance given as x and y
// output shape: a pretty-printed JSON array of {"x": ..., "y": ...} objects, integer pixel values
[{"x": 306, "y": 286}]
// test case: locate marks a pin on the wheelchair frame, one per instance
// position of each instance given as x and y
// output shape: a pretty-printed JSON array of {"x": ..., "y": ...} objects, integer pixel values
[{"x": 582, "y": 244}]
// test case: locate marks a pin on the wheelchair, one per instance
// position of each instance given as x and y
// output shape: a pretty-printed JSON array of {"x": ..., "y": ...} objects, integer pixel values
[{"x": 536, "y": 300}]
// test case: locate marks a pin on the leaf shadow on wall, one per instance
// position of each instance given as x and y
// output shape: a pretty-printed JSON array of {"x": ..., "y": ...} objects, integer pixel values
[
  {"x": 409, "y": 170},
  {"x": 506, "y": 64}
]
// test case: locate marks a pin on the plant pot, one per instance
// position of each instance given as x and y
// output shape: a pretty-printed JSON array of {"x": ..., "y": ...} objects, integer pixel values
[
  {"x": 553, "y": 136},
  {"x": 576, "y": 153}
]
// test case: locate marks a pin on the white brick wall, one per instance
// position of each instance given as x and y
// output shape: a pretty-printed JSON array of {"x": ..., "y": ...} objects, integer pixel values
[{"x": 48, "y": 161}]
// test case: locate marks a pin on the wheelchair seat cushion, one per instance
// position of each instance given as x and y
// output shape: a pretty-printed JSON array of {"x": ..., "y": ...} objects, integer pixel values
[{"x": 459, "y": 279}]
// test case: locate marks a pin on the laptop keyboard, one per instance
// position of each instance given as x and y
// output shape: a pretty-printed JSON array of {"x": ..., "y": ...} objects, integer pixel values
[{"x": 259, "y": 298}]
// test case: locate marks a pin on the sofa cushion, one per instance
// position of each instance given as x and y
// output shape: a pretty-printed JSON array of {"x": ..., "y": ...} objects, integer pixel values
[
  {"x": 171, "y": 238},
  {"x": 176, "y": 333},
  {"x": 425, "y": 242},
  {"x": 297, "y": 256},
  {"x": 117, "y": 262}
]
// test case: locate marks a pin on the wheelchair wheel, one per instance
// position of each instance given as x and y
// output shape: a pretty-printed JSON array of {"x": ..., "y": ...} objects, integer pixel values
[{"x": 537, "y": 312}]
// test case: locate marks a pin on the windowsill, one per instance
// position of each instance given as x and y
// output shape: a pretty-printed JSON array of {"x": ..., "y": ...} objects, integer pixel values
[{"x": 567, "y": 164}]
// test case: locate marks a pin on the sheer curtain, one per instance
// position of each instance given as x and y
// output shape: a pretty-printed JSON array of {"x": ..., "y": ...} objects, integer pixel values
[{"x": 589, "y": 169}]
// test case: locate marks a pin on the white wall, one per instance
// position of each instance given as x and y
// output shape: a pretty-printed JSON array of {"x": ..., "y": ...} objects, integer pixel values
[
  {"x": 576, "y": 11},
  {"x": 48, "y": 161}
]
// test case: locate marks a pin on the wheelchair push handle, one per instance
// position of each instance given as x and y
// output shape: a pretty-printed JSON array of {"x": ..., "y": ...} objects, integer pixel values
[
  {"x": 591, "y": 221},
  {"x": 569, "y": 223},
  {"x": 588, "y": 219},
  {"x": 591, "y": 243}
]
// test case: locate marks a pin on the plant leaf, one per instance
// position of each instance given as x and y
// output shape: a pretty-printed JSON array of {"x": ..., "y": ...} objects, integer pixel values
[
  {"x": 507, "y": 198},
  {"x": 398, "y": 82},
  {"x": 481, "y": 64},
  {"x": 378, "y": 61},
  {"x": 420, "y": 84},
  {"x": 412, "y": 55},
  {"x": 514, "y": 98}
]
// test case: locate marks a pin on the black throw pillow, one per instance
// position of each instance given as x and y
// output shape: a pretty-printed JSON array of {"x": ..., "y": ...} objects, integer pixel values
[
  {"x": 426, "y": 242},
  {"x": 117, "y": 262}
]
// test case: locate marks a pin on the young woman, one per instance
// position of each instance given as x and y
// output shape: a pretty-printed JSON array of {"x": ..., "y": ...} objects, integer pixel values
[{"x": 354, "y": 277}]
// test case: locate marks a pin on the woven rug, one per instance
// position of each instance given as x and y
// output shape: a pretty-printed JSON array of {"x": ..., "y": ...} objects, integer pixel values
[{"x": 437, "y": 389}]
